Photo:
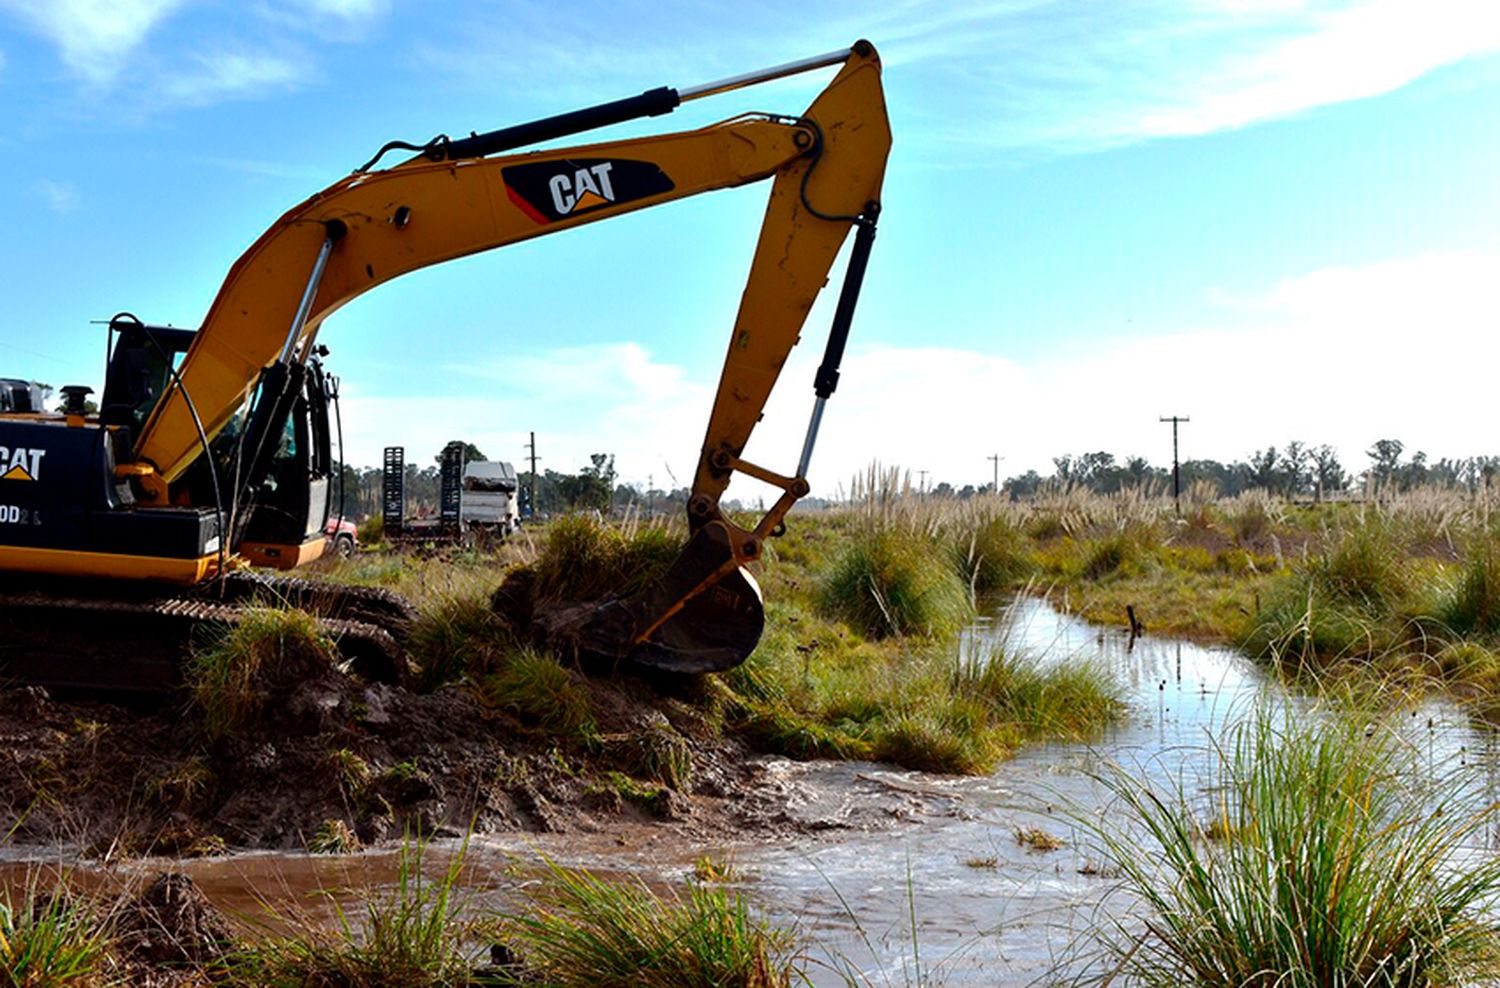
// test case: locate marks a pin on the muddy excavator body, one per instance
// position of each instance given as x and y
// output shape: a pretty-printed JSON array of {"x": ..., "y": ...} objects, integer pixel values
[{"x": 210, "y": 451}]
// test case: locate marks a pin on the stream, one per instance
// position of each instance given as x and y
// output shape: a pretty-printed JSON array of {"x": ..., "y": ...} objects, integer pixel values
[{"x": 899, "y": 872}]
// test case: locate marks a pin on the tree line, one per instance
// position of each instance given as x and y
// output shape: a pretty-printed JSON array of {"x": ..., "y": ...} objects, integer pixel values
[{"x": 1296, "y": 469}]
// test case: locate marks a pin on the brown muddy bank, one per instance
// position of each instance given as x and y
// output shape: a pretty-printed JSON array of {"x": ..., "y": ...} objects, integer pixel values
[{"x": 331, "y": 759}]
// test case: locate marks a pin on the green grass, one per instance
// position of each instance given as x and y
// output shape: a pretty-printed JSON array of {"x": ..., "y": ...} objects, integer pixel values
[
  {"x": 49, "y": 938},
  {"x": 458, "y": 636},
  {"x": 821, "y": 693},
  {"x": 541, "y": 694},
  {"x": 581, "y": 931},
  {"x": 229, "y": 677},
  {"x": 1333, "y": 864},
  {"x": 585, "y": 559}
]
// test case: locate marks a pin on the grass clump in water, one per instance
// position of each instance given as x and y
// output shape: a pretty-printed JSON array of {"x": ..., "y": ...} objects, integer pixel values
[
  {"x": 229, "y": 678},
  {"x": 410, "y": 935},
  {"x": 992, "y": 556},
  {"x": 890, "y": 582},
  {"x": 584, "y": 932},
  {"x": 1070, "y": 700},
  {"x": 1335, "y": 866}
]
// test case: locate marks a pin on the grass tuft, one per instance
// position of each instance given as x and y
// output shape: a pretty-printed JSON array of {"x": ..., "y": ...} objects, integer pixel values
[
  {"x": 410, "y": 935},
  {"x": 586, "y": 559},
  {"x": 541, "y": 694},
  {"x": 1333, "y": 865},
  {"x": 230, "y": 678},
  {"x": 584, "y": 932},
  {"x": 890, "y": 582},
  {"x": 48, "y": 938}
]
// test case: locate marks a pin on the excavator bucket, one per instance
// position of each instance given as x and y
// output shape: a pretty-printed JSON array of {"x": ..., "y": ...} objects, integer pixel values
[{"x": 705, "y": 614}]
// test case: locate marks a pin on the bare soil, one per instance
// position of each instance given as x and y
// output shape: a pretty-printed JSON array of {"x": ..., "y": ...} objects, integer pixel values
[{"x": 336, "y": 754}]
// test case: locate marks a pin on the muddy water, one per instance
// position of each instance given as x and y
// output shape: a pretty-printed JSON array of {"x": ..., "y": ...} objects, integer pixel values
[{"x": 884, "y": 851}]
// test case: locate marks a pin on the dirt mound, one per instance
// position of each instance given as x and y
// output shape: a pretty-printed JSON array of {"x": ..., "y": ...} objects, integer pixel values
[{"x": 169, "y": 924}]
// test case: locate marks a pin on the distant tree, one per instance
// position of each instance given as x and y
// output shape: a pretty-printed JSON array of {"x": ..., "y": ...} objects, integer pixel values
[
  {"x": 1414, "y": 473},
  {"x": 1294, "y": 467},
  {"x": 1026, "y": 485},
  {"x": 1328, "y": 473},
  {"x": 1264, "y": 469},
  {"x": 471, "y": 455},
  {"x": 1385, "y": 460},
  {"x": 1136, "y": 471}
]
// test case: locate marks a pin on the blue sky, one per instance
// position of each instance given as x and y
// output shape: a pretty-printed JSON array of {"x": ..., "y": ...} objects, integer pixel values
[{"x": 1280, "y": 218}]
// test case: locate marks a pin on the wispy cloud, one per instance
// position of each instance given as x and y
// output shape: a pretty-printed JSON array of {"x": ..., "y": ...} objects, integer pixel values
[
  {"x": 60, "y": 197},
  {"x": 1081, "y": 77},
  {"x": 335, "y": 20},
  {"x": 225, "y": 75},
  {"x": 93, "y": 36}
]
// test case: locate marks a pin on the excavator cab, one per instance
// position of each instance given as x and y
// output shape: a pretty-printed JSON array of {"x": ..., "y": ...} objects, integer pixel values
[
  {"x": 289, "y": 487},
  {"x": 269, "y": 475}
]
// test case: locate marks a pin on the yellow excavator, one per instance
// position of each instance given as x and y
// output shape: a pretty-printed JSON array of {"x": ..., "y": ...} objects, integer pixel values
[{"x": 210, "y": 451}]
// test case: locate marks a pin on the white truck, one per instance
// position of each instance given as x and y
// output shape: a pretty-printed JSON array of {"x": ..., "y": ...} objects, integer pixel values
[{"x": 490, "y": 498}]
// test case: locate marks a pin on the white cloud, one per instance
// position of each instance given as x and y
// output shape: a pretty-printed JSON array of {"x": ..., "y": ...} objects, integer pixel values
[
  {"x": 94, "y": 37},
  {"x": 1401, "y": 349},
  {"x": 226, "y": 75},
  {"x": 60, "y": 197},
  {"x": 1078, "y": 77}
]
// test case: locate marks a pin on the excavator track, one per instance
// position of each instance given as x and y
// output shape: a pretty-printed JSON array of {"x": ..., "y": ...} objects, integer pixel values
[{"x": 100, "y": 638}]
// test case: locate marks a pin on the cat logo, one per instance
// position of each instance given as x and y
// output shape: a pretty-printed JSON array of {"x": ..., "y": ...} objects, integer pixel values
[
  {"x": 21, "y": 463},
  {"x": 588, "y": 187},
  {"x": 551, "y": 191}
]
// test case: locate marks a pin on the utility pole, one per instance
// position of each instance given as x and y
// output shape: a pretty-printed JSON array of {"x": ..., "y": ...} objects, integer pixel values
[
  {"x": 995, "y": 459},
  {"x": 532, "y": 446},
  {"x": 650, "y": 495},
  {"x": 922, "y": 488},
  {"x": 1176, "y": 474}
]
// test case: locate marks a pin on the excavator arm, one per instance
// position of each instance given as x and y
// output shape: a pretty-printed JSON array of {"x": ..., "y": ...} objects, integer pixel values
[{"x": 461, "y": 197}]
